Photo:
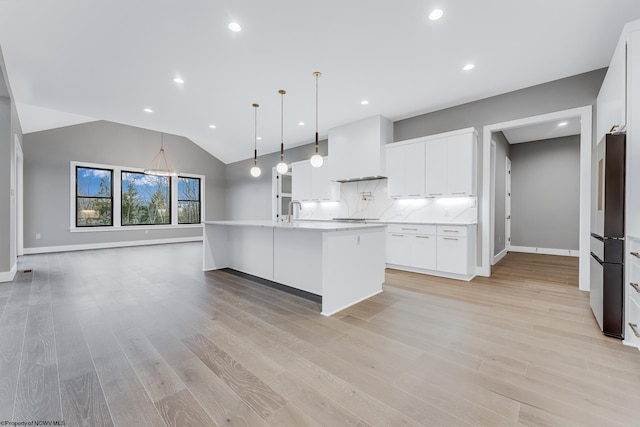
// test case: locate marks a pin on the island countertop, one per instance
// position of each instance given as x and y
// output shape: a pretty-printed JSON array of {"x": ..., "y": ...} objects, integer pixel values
[{"x": 300, "y": 225}]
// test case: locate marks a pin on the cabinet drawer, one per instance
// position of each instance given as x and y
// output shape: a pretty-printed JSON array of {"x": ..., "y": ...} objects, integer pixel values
[
  {"x": 632, "y": 328},
  {"x": 452, "y": 254},
  {"x": 412, "y": 228},
  {"x": 452, "y": 230}
]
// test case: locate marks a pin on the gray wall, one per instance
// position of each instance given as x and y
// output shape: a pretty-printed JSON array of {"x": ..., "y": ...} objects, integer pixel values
[
  {"x": 249, "y": 197},
  {"x": 9, "y": 126},
  {"x": 571, "y": 92},
  {"x": 47, "y": 175},
  {"x": 503, "y": 150},
  {"x": 545, "y": 188}
]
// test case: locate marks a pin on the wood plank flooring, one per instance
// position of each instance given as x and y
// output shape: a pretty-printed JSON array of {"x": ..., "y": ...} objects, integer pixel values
[{"x": 141, "y": 336}]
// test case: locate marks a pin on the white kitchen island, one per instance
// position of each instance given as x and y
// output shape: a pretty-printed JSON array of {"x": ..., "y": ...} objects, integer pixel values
[{"x": 342, "y": 263}]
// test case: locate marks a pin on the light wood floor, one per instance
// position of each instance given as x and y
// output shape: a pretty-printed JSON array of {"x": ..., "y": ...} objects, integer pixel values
[{"x": 142, "y": 337}]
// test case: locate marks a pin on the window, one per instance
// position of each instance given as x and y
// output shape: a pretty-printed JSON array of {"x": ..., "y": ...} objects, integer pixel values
[
  {"x": 111, "y": 198},
  {"x": 188, "y": 200},
  {"x": 146, "y": 199},
  {"x": 94, "y": 197}
]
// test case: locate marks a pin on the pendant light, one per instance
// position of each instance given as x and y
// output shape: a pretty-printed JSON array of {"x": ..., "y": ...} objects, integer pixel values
[
  {"x": 316, "y": 159},
  {"x": 255, "y": 170},
  {"x": 282, "y": 167},
  {"x": 160, "y": 165}
]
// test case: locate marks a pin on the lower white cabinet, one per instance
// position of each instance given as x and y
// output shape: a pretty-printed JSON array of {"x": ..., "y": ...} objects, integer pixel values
[
  {"x": 632, "y": 292},
  {"x": 432, "y": 249}
]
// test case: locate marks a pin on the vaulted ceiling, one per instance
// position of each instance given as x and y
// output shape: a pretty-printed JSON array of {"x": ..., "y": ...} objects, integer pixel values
[{"x": 70, "y": 61}]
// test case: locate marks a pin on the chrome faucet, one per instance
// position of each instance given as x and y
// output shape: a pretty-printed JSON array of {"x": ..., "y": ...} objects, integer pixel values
[{"x": 291, "y": 203}]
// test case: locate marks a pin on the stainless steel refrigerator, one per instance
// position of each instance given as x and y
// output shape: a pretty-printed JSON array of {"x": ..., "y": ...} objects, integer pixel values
[{"x": 607, "y": 235}]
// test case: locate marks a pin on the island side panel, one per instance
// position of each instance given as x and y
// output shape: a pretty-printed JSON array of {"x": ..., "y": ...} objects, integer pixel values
[
  {"x": 250, "y": 250},
  {"x": 353, "y": 267},
  {"x": 297, "y": 259},
  {"x": 215, "y": 252}
]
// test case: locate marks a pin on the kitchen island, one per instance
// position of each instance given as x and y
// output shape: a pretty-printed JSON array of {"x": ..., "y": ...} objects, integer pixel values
[{"x": 342, "y": 263}]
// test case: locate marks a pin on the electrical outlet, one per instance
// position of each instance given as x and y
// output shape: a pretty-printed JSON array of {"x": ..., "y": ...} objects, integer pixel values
[
  {"x": 446, "y": 212},
  {"x": 146, "y": 231},
  {"x": 38, "y": 236}
]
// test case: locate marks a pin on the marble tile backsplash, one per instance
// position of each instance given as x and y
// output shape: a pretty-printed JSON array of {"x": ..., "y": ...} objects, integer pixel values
[{"x": 368, "y": 199}]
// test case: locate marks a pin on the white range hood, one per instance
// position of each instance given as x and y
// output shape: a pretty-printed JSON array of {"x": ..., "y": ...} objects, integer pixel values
[{"x": 357, "y": 150}]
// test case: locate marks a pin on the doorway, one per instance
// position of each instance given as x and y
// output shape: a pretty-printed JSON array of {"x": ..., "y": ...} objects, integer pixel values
[
  {"x": 17, "y": 199},
  {"x": 507, "y": 205},
  {"x": 584, "y": 116}
]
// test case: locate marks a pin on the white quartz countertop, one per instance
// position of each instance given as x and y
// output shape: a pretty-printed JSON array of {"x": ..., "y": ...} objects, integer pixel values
[
  {"x": 300, "y": 225},
  {"x": 384, "y": 222}
]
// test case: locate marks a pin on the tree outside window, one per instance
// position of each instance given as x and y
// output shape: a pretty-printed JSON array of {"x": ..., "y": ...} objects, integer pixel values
[
  {"x": 94, "y": 197},
  {"x": 146, "y": 199},
  {"x": 188, "y": 200}
]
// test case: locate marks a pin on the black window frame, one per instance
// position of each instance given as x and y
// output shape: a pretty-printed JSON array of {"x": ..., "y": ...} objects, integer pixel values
[
  {"x": 93, "y": 197},
  {"x": 169, "y": 200},
  {"x": 199, "y": 201}
]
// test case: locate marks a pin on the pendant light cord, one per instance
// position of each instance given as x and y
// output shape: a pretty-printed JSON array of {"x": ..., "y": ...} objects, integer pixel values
[
  {"x": 317, "y": 74},
  {"x": 255, "y": 134},
  {"x": 282, "y": 92}
]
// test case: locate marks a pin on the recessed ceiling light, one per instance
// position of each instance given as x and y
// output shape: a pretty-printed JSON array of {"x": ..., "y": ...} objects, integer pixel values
[
  {"x": 300, "y": 123},
  {"x": 468, "y": 67},
  {"x": 563, "y": 123},
  {"x": 234, "y": 26},
  {"x": 259, "y": 138},
  {"x": 148, "y": 110},
  {"x": 364, "y": 102},
  {"x": 436, "y": 14},
  {"x": 212, "y": 126},
  {"x": 178, "y": 80}
]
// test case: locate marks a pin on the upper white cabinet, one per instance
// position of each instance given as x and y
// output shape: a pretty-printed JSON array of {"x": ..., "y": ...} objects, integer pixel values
[
  {"x": 461, "y": 165},
  {"x": 441, "y": 165},
  {"x": 436, "y": 168},
  {"x": 405, "y": 170},
  {"x": 301, "y": 181},
  {"x": 309, "y": 184},
  {"x": 357, "y": 150},
  {"x": 612, "y": 100}
]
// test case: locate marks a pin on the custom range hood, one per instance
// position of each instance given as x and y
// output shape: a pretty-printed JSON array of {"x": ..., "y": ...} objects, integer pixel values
[{"x": 357, "y": 150}]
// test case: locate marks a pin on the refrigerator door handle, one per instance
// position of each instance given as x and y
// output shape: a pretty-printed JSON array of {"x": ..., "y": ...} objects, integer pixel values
[{"x": 596, "y": 258}]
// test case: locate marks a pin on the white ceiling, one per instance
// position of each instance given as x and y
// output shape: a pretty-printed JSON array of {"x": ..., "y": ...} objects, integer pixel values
[
  {"x": 109, "y": 59},
  {"x": 541, "y": 131}
]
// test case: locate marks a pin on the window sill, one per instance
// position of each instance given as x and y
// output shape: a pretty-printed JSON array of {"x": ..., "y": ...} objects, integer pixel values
[{"x": 132, "y": 227}]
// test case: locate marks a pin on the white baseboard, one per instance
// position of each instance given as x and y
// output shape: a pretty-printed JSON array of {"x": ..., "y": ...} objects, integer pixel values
[
  {"x": 501, "y": 255},
  {"x": 7, "y": 276},
  {"x": 68, "y": 248},
  {"x": 466, "y": 278},
  {"x": 546, "y": 251}
]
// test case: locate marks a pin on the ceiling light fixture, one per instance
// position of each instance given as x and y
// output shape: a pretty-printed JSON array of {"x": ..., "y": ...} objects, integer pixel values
[
  {"x": 300, "y": 123},
  {"x": 148, "y": 110},
  {"x": 468, "y": 67},
  {"x": 364, "y": 102},
  {"x": 255, "y": 170},
  {"x": 436, "y": 14},
  {"x": 235, "y": 27},
  {"x": 563, "y": 123},
  {"x": 178, "y": 80},
  {"x": 316, "y": 160},
  {"x": 160, "y": 165},
  {"x": 282, "y": 167},
  {"x": 212, "y": 126}
]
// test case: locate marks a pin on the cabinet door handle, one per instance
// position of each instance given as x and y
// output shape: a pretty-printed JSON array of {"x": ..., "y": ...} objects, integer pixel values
[
  {"x": 398, "y": 235},
  {"x": 435, "y": 194},
  {"x": 451, "y": 231},
  {"x": 395, "y": 195},
  {"x": 413, "y": 195},
  {"x": 422, "y": 237},
  {"x": 461, "y": 192},
  {"x": 635, "y": 286},
  {"x": 634, "y": 328},
  {"x": 449, "y": 238},
  {"x": 635, "y": 254},
  {"x": 413, "y": 229}
]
